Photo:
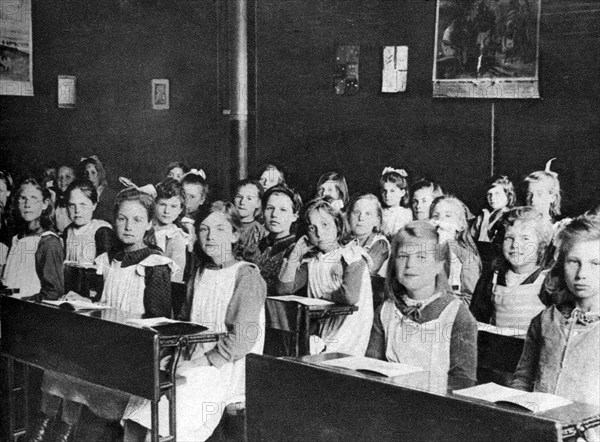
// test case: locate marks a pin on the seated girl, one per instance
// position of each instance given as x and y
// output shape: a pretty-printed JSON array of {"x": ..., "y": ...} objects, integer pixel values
[
  {"x": 423, "y": 194},
  {"x": 247, "y": 201},
  {"x": 34, "y": 264},
  {"x": 396, "y": 200},
  {"x": 508, "y": 295},
  {"x": 280, "y": 207},
  {"x": 449, "y": 215},
  {"x": 419, "y": 306},
  {"x": 272, "y": 175},
  {"x": 137, "y": 279},
  {"x": 227, "y": 295},
  {"x": 561, "y": 352},
  {"x": 332, "y": 272},
  {"x": 333, "y": 185}
]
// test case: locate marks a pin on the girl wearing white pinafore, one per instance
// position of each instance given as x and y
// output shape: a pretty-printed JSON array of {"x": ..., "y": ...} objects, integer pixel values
[{"x": 82, "y": 244}]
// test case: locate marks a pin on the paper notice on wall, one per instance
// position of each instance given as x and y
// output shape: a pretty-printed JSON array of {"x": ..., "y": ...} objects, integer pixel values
[{"x": 395, "y": 65}]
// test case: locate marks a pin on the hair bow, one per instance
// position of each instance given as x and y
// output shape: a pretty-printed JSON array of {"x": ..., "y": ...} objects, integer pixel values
[
  {"x": 147, "y": 189},
  {"x": 197, "y": 172},
  {"x": 400, "y": 172},
  {"x": 91, "y": 157},
  {"x": 547, "y": 168}
]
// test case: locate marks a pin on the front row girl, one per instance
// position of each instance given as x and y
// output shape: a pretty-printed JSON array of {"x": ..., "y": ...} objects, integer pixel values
[
  {"x": 422, "y": 323},
  {"x": 332, "y": 272},
  {"x": 137, "y": 279},
  {"x": 561, "y": 352},
  {"x": 225, "y": 293}
]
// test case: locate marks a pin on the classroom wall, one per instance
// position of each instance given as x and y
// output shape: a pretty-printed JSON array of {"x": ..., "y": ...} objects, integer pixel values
[
  {"x": 115, "y": 48},
  {"x": 304, "y": 125}
]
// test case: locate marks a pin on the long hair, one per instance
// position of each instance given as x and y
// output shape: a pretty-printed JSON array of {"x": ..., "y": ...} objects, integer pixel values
[
  {"x": 47, "y": 216},
  {"x": 507, "y": 186},
  {"x": 550, "y": 179},
  {"x": 340, "y": 185},
  {"x": 324, "y": 204},
  {"x": 463, "y": 236},
  {"x": 401, "y": 183},
  {"x": 94, "y": 161},
  {"x": 232, "y": 216}
]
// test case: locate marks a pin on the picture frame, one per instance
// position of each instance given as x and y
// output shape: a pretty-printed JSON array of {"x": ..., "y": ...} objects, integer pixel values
[
  {"x": 487, "y": 49},
  {"x": 160, "y": 94}
]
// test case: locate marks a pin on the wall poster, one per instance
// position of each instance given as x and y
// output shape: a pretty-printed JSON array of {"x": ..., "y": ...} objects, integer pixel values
[
  {"x": 15, "y": 48},
  {"x": 487, "y": 49}
]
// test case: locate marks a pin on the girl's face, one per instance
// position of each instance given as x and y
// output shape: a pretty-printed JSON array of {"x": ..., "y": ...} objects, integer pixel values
[
  {"x": 81, "y": 208},
  {"x": 391, "y": 194},
  {"x": 582, "y": 269},
  {"x": 194, "y": 197},
  {"x": 329, "y": 188},
  {"x": 91, "y": 173},
  {"x": 521, "y": 246},
  {"x": 64, "y": 178},
  {"x": 496, "y": 198},
  {"x": 421, "y": 203},
  {"x": 270, "y": 177},
  {"x": 539, "y": 196},
  {"x": 322, "y": 231},
  {"x": 4, "y": 193},
  {"x": 167, "y": 210},
  {"x": 217, "y": 237},
  {"x": 247, "y": 201},
  {"x": 417, "y": 267},
  {"x": 445, "y": 217},
  {"x": 279, "y": 215},
  {"x": 31, "y": 203},
  {"x": 175, "y": 173},
  {"x": 364, "y": 218},
  {"x": 131, "y": 224}
]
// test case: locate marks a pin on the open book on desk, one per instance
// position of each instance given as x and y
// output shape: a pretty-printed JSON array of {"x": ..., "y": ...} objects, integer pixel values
[
  {"x": 75, "y": 305},
  {"x": 535, "y": 402},
  {"x": 302, "y": 300},
  {"x": 370, "y": 365},
  {"x": 168, "y": 327}
]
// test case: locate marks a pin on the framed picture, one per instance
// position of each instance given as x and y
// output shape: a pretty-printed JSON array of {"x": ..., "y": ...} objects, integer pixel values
[
  {"x": 160, "y": 94},
  {"x": 16, "y": 49},
  {"x": 487, "y": 49}
]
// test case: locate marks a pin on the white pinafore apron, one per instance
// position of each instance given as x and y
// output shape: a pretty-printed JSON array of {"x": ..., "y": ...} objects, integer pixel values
[
  {"x": 516, "y": 306},
  {"x": 425, "y": 345},
  {"x": 20, "y": 272},
  {"x": 80, "y": 245},
  {"x": 346, "y": 334},
  {"x": 201, "y": 400}
]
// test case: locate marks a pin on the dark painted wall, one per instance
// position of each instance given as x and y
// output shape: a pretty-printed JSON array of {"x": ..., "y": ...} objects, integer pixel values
[
  {"x": 115, "y": 48},
  {"x": 304, "y": 125}
]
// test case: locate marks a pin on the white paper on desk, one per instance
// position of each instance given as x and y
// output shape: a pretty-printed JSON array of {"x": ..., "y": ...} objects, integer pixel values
[
  {"x": 535, "y": 402},
  {"x": 302, "y": 300},
  {"x": 504, "y": 331},
  {"x": 77, "y": 305},
  {"x": 151, "y": 322},
  {"x": 385, "y": 368}
]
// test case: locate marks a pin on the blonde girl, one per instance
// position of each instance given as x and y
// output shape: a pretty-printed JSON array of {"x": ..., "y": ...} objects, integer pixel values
[
  {"x": 332, "y": 272},
  {"x": 449, "y": 215},
  {"x": 542, "y": 192},
  {"x": 396, "y": 200},
  {"x": 272, "y": 175}
]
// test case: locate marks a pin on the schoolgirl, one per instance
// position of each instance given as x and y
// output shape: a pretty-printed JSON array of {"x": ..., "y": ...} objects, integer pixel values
[
  {"x": 247, "y": 201},
  {"x": 423, "y": 194},
  {"x": 272, "y": 175},
  {"x": 396, "y": 198},
  {"x": 333, "y": 185},
  {"x": 92, "y": 169}
]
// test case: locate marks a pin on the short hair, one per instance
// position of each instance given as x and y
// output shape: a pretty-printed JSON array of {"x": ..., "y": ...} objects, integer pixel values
[
  {"x": 543, "y": 228},
  {"x": 340, "y": 184},
  {"x": 400, "y": 181},
  {"x": 278, "y": 168},
  {"x": 409, "y": 236},
  {"x": 192, "y": 178},
  {"x": 132, "y": 194},
  {"x": 581, "y": 229},
  {"x": 282, "y": 189},
  {"x": 172, "y": 165},
  {"x": 259, "y": 190},
  {"x": 324, "y": 204},
  {"x": 46, "y": 218},
  {"x": 369, "y": 197},
  {"x": 506, "y": 184},
  {"x": 170, "y": 188},
  {"x": 553, "y": 185},
  {"x": 94, "y": 161},
  {"x": 435, "y": 188},
  {"x": 86, "y": 187}
]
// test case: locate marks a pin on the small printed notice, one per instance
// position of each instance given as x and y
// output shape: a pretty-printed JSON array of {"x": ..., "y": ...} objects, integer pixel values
[
  {"x": 535, "y": 402},
  {"x": 384, "y": 368}
]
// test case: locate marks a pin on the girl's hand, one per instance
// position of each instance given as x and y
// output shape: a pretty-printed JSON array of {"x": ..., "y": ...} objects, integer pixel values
[{"x": 301, "y": 248}]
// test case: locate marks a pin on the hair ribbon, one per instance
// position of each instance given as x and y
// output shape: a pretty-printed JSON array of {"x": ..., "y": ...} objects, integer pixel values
[
  {"x": 91, "y": 157},
  {"x": 196, "y": 172},
  {"x": 400, "y": 172},
  {"x": 547, "y": 168},
  {"x": 148, "y": 189}
]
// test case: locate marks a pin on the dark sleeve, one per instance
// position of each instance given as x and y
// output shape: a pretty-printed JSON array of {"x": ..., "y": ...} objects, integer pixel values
[
  {"x": 463, "y": 345},
  {"x": 157, "y": 293},
  {"x": 300, "y": 281},
  {"x": 481, "y": 305},
  {"x": 352, "y": 279},
  {"x": 376, "y": 347},
  {"x": 379, "y": 252},
  {"x": 49, "y": 259},
  {"x": 242, "y": 318},
  {"x": 104, "y": 238},
  {"x": 526, "y": 372}
]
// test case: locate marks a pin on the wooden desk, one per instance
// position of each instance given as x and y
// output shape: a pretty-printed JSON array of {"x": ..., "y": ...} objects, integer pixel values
[
  {"x": 295, "y": 319},
  {"x": 295, "y": 399},
  {"x": 497, "y": 356},
  {"x": 95, "y": 346}
]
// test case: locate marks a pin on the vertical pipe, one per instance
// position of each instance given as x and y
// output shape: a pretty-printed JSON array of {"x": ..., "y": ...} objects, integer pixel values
[
  {"x": 239, "y": 89},
  {"x": 493, "y": 140}
]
